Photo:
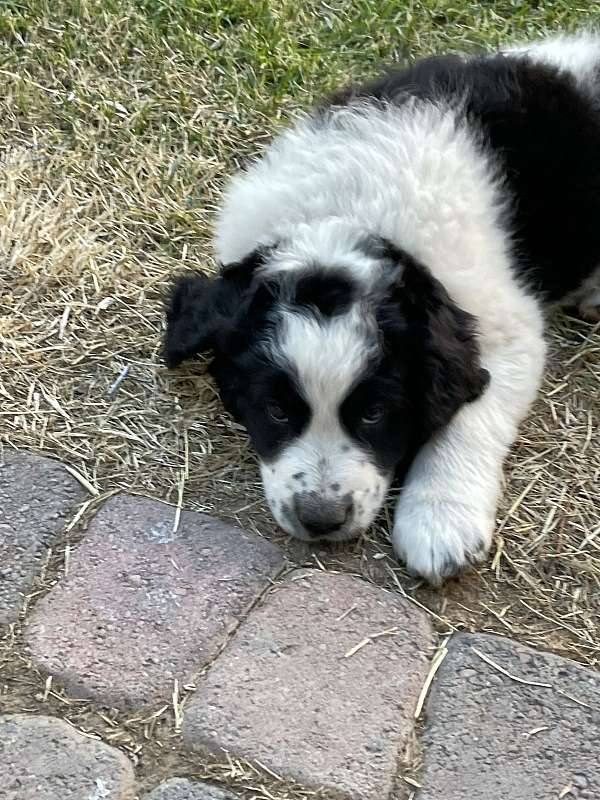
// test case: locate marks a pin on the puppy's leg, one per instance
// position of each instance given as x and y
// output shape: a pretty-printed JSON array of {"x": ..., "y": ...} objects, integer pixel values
[{"x": 446, "y": 512}]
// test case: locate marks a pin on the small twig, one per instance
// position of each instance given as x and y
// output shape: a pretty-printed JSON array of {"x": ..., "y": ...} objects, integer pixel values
[
  {"x": 346, "y": 613},
  {"x": 318, "y": 563},
  {"x": 83, "y": 481},
  {"x": 368, "y": 639},
  {"x": 120, "y": 378},
  {"x": 533, "y": 731},
  {"x": 436, "y": 663},
  {"x": 177, "y": 706},
  {"x": 270, "y": 771},
  {"x": 515, "y": 678},
  {"x": 353, "y": 650},
  {"x": 573, "y": 699},
  {"x": 179, "y": 507}
]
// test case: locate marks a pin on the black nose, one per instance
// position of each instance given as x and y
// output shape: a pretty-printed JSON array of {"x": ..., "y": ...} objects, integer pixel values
[{"x": 322, "y": 517}]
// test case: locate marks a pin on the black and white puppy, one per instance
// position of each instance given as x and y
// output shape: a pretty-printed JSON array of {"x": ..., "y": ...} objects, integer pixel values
[{"x": 386, "y": 263}]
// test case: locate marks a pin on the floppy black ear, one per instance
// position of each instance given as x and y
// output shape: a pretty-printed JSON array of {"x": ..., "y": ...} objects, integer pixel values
[
  {"x": 201, "y": 311},
  {"x": 442, "y": 341},
  {"x": 191, "y": 323},
  {"x": 452, "y": 374}
]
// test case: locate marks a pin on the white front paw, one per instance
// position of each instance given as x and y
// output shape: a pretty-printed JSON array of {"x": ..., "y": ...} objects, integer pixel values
[{"x": 440, "y": 538}]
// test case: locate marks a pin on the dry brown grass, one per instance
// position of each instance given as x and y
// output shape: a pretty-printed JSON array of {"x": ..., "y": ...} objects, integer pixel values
[{"x": 103, "y": 197}]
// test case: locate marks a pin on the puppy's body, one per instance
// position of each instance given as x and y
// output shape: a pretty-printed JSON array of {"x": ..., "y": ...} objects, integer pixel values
[{"x": 389, "y": 258}]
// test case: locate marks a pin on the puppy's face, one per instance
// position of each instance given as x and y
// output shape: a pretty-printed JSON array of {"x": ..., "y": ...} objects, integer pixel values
[
  {"x": 336, "y": 377},
  {"x": 327, "y": 428}
]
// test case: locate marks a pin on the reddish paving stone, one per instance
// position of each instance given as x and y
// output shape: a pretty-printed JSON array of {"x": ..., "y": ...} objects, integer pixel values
[
  {"x": 142, "y": 605},
  {"x": 180, "y": 789},
  {"x": 42, "y": 758},
  {"x": 284, "y": 693},
  {"x": 490, "y": 737},
  {"x": 37, "y": 495}
]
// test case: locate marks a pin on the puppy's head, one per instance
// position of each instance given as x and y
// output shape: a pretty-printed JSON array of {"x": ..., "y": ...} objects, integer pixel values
[{"x": 338, "y": 371}]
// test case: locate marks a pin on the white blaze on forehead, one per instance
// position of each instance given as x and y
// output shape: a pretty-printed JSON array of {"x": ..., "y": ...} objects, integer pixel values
[
  {"x": 332, "y": 244},
  {"x": 328, "y": 355}
]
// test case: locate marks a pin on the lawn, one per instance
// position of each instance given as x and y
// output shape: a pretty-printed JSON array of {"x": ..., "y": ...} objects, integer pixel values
[{"x": 119, "y": 121}]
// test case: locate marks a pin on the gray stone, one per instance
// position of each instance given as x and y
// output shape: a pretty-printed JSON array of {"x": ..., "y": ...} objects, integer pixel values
[
  {"x": 489, "y": 736},
  {"x": 319, "y": 684},
  {"x": 42, "y": 758},
  {"x": 37, "y": 496},
  {"x": 144, "y": 605},
  {"x": 180, "y": 789}
]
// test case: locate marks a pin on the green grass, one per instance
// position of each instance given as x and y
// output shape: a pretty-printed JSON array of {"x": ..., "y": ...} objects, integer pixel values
[
  {"x": 211, "y": 78},
  {"x": 80, "y": 63}
]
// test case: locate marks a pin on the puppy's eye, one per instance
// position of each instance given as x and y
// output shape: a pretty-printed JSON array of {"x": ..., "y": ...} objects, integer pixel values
[
  {"x": 373, "y": 415},
  {"x": 276, "y": 412}
]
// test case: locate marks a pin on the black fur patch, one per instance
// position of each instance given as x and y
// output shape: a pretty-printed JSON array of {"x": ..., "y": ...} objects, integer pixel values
[
  {"x": 544, "y": 133},
  {"x": 330, "y": 291},
  {"x": 429, "y": 368},
  {"x": 248, "y": 384},
  {"x": 201, "y": 311}
]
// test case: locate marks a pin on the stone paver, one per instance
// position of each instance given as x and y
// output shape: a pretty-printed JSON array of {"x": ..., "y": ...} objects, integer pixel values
[
  {"x": 143, "y": 605},
  {"x": 319, "y": 683},
  {"x": 42, "y": 758},
  {"x": 37, "y": 495},
  {"x": 490, "y": 737},
  {"x": 180, "y": 789},
  {"x": 301, "y": 689}
]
